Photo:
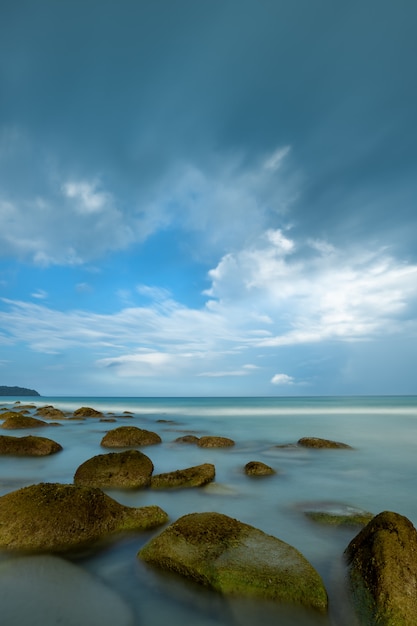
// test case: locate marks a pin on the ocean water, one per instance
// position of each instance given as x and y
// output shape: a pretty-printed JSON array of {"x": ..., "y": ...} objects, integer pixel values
[{"x": 378, "y": 474}]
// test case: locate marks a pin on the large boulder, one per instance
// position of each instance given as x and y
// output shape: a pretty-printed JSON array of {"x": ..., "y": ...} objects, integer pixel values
[
  {"x": 49, "y": 590},
  {"x": 129, "y": 437},
  {"x": 382, "y": 561},
  {"x": 129, "y": 469},
  {"x": 196, "y": 476},
  {"x": 213, "y": 441},
  {"x": 316, "y": 442},
  {"x": 18, "y": 420},
  {"x": 234, "y": 558},
  {"x": 55, "y": 517},
  {"x": 28, "y": 446}
]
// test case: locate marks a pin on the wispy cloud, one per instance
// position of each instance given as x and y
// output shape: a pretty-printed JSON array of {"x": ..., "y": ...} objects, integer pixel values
[{"x": 282, "y": 379}]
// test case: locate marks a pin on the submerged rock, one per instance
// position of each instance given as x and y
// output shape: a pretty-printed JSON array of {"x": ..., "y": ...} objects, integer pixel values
[
  {"x": 257, "y": 468},
  {"x": 28, "y": 446},
  {"x": 54, "y": 517},
  {"x": 234, "y": 558},
  {"x": 86, "y": 411},
  {"x": 196, "y": 476},
  {"x": 129, "y": 437},
  {"x": 187, "y": 439},
  {"x": 215, "y": 442},
  {"x": 316, "y": 442},
  {"x": 131, "y": 469},
  {"x": 18, "y": 420},
  {"x": 49, "y": 590},
  {"x": 382, "y": 562},
  {"x": 336, "y": 514}
]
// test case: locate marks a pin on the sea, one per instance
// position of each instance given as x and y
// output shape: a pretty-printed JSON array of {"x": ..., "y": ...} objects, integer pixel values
[{"x": 377, "y": 474}]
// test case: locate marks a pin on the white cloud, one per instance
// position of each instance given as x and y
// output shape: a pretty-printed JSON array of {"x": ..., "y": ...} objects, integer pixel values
[
  {"x": 282, "y": 379},
  {"x": 40, "y": 294},
  {"x": 86, "y": 196},
  {"x": 275, "y": 160}
]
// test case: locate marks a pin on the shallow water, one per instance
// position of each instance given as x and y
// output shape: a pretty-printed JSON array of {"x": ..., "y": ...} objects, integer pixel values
[{"x": 378, "y": 474}]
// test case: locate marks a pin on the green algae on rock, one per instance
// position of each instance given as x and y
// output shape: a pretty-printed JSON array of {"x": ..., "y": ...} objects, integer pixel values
[
  {"x": 382, "y": 561},
  {"x": 129, "y": 469},
  {"x": 86, "y": 411},
  {"x": 257, "y": 468},
  {"x": 55, "y": 517},
  {"x": 50, "y": 412},
  {"x": 237, "y": 559},
  {"x": 316, "y": 442},
  {"x": 18, "y": 420},
  {"x": 129, "y": 437},
  {"x": 196, "y": 476},
  {"x": 28, "y": 446}
]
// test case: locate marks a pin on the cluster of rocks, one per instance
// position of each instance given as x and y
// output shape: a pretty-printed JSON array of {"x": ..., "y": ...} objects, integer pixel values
[{"x": 209, "y": 548}]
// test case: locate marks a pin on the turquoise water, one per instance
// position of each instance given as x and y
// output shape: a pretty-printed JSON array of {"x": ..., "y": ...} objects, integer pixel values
[{"x": 378, "y": 474}]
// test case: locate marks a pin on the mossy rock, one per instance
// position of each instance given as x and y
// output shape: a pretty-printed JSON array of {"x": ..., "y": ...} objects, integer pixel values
[
  {"x": 129, "y": 437},
  {"x": 234, "y": 558},
  {"x": 196, "y": 476},
  {"x": 187, "y": 439},
  {"x": 211, "y": 441},
  {"x": 54, "y": 517},
  {"x": 130, "y": 469},
  {"x": 28, "y": 446},
  {"x": 316, "y": 442},
  {"x": 87, "y": 411},
  {"x": 18, "y": 420},
  {"x": 336, "y": 514},
  {"x": 382, "y": 561},
  {"x": 257, "y": 468},
  {"x": 51, "y": 413}
]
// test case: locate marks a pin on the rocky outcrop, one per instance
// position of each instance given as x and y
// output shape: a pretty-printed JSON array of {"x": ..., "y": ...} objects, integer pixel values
[
  {"x": 18, "y": 420},
  {"x": 211, "y": 441},
  {"x": 257, "y": 468},
  {"x": 316, "y": 442},
  {"x": 50, "y": 413},
  {"x": 234, "y": 558},
  {"x": 28, "y": 446},
  {"x": 129, "y": 437},
  {"x": 86, "y": 411},
  {"x": 196, "y": 476},
  {"x": 54, "y": 517},
  {"x": 130, "y": 469},
  {"x": 382, "y": 561}
]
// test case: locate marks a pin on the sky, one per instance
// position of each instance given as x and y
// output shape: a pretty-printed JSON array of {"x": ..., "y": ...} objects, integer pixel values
[{"x": 208, "y": 198}]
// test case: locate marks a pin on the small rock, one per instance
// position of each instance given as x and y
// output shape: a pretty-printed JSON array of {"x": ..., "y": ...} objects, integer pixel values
[
  {"x": 129, "y": 436},
  {"x": 234, "y": 558},
  {"x": 336, "y": 514},
  {"x": 187, "y": 439},
  {"x": 28, "y": 446},
  {"x": 50, "y": 412},
  {"x": 190, "y": 477},
  {"x": 257, "y": 468},
  {"x": 130, "y": 469},
  {"x": 382, "y": 562},
  {"x": 215, "y": 442},
  {"x": 316, "y": 442},
  {"x": 54, "y": 517}
]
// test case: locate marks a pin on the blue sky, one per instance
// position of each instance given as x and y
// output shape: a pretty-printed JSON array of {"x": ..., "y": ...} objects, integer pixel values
[{"x": 208, "y": 198}]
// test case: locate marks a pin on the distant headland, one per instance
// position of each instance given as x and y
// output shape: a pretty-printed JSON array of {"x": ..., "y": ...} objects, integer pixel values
[{"x": 17, "y": 391}]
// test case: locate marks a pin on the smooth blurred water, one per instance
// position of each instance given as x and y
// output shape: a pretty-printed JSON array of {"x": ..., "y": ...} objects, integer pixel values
[{"x": 378, "y": 474}]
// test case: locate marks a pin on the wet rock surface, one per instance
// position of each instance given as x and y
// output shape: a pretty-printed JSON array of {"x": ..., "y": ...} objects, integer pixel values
[
  {"x": 130, "y": 469},
  {"x": 317, "y": 442},
  {"x": 54, "y": 517},
  {"x": 18, "y": 420},
  {"x": 257, "y": 468},
  {"x": 382, "y": 562},
  {"x": 234, "y": 558},
  {"x": 28, "y": 446},
  {"x": 196, "y": 476},
  {"x": 213, "y": 441},
  {"x": 129, "y": 436}
]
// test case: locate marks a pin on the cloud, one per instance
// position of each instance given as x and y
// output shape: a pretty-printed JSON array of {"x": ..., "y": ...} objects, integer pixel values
[{"x": 282, "y": 379}]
